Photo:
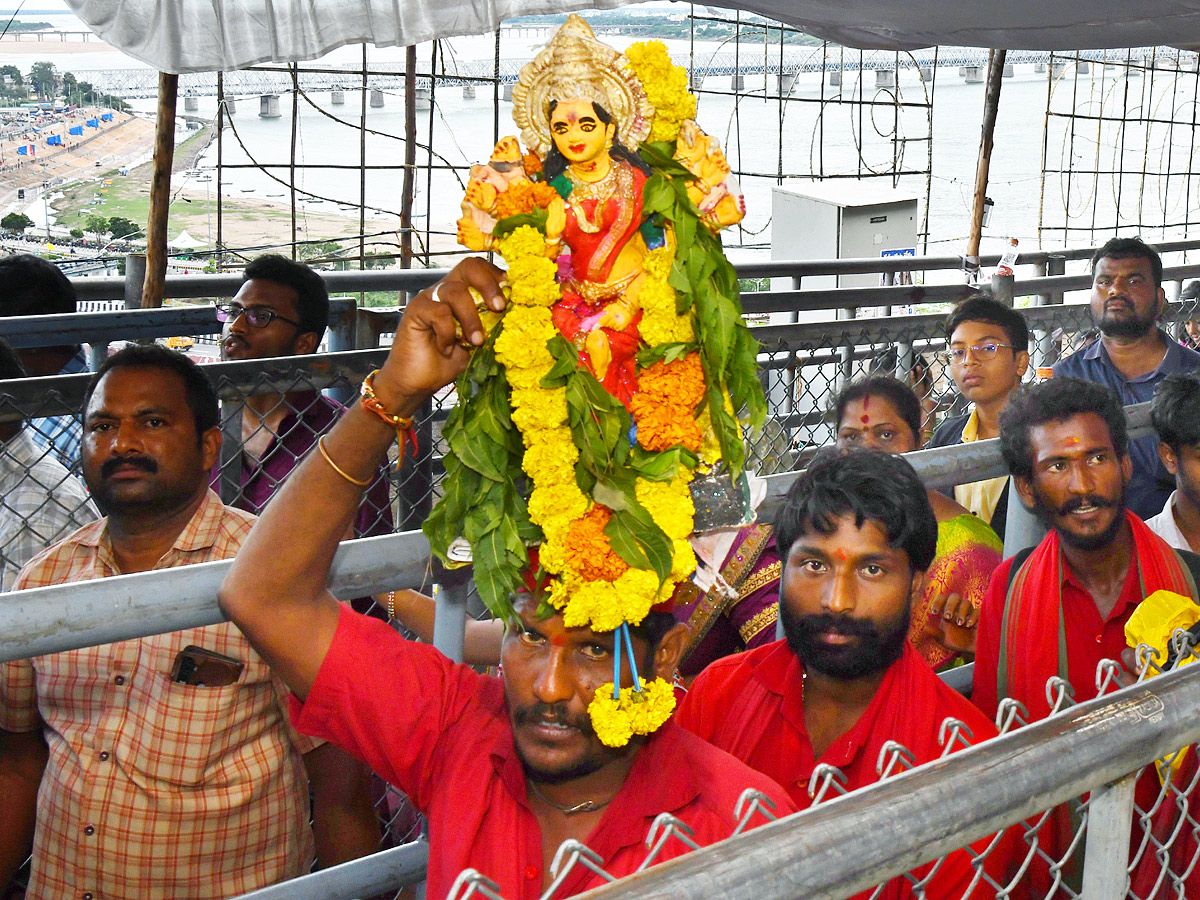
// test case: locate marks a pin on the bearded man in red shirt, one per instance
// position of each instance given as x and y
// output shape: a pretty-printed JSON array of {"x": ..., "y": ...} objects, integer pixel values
[{"x": 856, "y": 534}]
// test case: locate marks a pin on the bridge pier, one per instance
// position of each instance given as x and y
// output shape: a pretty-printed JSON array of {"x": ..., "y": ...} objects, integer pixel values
[
  {"x": 268, "y": 106},
  {"x": 973, "y": 74},
  {"x": 1039, "y": 68},
  {"x": 835, "y": 78},
  {"x": 1009, "y": 70},
  {"x": 468, "y": 92},
  {"x": 376, "y": 98},
  {"x": 230, "y": 105},
  {"x": 738, "y": 82},
  {"x": 1083, "y": 67},
  {"x": 926, "y": 73},
  {"x": 508, "y": 93},
  {"x": 423, "y": 98},
  {"x": 787, "y": 81},
  {"x": 1057, "y": 69},
  {"x": 191, "y": 104},
  {"x": 337, "y": 98},
  {"x": 696, "y": 81},
  {"x": 885, "y": 78}
]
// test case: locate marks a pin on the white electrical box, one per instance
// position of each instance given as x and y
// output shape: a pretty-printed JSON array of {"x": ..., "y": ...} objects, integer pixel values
[{"x": 840, "y": 219}]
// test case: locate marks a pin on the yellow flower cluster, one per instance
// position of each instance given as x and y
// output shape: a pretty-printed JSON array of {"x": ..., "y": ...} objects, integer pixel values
[
  {"x": 666, "y": 87},
  {"x": 540, "y": 414},
  {"x": 660, "y": 324},
  {"x": 670, "y": 505},
  {"x": 637, "y": 712}
]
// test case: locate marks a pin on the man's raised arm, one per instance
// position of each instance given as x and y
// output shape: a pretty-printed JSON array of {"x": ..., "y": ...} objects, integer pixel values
[{"x": 275, "y": 591}]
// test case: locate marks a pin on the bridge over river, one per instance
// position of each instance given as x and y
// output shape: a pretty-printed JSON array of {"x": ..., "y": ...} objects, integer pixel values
[{"x": 265, "y": 80}]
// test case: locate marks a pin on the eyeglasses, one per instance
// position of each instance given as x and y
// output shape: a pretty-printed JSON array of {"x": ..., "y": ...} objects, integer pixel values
[
  {"x": 256, "y": 316},
  {"x": 956, "y": 356}
]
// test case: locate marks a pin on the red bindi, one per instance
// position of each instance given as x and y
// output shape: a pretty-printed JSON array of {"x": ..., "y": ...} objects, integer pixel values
[
  {"x": 559, "y": 640},
  {"x": 841, "y": 554},
  {"x": 866, "y": 406}
]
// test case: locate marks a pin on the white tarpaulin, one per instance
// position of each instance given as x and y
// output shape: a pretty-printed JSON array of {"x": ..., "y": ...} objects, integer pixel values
[{"x": 209, "y": 35}]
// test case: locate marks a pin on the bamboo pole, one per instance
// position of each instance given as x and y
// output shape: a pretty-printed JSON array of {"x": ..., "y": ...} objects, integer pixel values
[
  {"x": 991, "y": 104},
  {"x": 160, "y": 191}
]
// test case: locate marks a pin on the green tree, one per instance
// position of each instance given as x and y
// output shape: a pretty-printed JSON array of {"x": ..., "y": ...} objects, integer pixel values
[
  {"x": 16, "y": 221},
  {"x": 77, "y": 233},
  {"x": 97, "y": 225},
  {"x": 13, "y": 73},
  {"x": 44, "y": 78},
  {"x": 119, "y": 227}
]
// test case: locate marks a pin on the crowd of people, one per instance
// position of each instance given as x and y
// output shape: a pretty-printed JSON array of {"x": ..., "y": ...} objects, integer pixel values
[{"x": 183, "y": 764}]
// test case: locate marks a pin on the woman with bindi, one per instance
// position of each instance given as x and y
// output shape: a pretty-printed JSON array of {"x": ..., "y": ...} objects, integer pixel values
[{"x": 885, "y": 414}]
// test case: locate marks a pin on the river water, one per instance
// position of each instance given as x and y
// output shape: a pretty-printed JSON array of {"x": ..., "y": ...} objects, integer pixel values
[{"x": 830, "y": 138}]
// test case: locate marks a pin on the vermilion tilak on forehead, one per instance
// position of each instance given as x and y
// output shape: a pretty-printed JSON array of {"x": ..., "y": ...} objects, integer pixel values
[
  {"x": 841, "y": 554},
  {"x": 559, "y": 640},
  {"x": 866, "y": 406}
]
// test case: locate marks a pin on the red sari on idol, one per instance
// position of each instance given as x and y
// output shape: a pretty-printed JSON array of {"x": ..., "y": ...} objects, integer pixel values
[{"x": 596, "y": 238}]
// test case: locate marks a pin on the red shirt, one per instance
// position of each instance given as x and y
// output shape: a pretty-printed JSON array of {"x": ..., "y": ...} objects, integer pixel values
[
  {"x": 1089, "y": 637},
  {"x": 441, "y": 733},
  {"x": 752, "y": 705}
]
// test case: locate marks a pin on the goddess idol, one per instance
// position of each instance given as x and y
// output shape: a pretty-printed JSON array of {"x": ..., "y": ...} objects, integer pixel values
[{"x": 620, "y": 375}]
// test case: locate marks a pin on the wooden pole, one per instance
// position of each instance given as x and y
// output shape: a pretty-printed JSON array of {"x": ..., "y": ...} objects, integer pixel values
[
  {"x": 410, "y": 157},
  {"x": 160, "y": 191},
  {"x": 991, "y": 104}
]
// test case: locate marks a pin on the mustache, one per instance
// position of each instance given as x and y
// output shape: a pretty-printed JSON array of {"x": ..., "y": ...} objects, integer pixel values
[
  {"x": 137, "y": 462},
  {"x": 539, "y": 713},
  {"x": 1076, "y": 503},
  {"x": 827, "y": 623}
]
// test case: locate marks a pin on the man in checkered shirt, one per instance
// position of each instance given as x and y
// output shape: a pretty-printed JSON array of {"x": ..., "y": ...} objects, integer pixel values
[{"x": 171, "y": 770}]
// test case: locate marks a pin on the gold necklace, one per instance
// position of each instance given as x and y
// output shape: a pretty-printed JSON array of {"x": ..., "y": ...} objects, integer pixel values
[
  {"x": 601, "y": 191},
  {"x": 585, "y": 806}
]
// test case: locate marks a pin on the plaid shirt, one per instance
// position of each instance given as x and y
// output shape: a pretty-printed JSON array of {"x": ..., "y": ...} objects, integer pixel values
[
  {"x": 156, "y": 789},
  {"x": 63, "y": 434},
  {"x": 40, "y": 504}
]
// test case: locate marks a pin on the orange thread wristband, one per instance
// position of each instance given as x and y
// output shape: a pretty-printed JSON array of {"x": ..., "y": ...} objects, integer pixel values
[{"x": 402, "y": 424}]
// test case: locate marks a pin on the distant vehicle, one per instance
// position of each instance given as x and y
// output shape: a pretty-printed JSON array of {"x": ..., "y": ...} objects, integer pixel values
[{"x": 180, "y": 343}]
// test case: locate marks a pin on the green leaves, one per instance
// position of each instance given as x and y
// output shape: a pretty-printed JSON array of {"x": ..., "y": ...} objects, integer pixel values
[
  {"x": 509, "y": 224},
  {"x": 480, "y": 498},
  {"x": 704, "y": 281}
]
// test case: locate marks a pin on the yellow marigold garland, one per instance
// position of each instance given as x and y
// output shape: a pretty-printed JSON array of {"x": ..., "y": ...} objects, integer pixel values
[
  {"x": 666, "y": 86},
  {"x": 660, "y": 323},
  {"x": 637, "y": 712}
]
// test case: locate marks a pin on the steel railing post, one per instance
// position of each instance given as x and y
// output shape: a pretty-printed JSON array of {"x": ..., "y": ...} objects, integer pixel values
[{"x": 1106, "y": 855}]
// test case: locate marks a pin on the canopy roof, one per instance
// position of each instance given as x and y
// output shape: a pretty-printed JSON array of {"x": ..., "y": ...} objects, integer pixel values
[{"x": 232, "y": 34}]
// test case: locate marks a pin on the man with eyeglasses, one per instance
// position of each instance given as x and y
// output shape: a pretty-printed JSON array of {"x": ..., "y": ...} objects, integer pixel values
[
  {"x": 282, "y": 309},
  {"x": 987, "y": 357},
  {"x": 1133, "y": 355}
]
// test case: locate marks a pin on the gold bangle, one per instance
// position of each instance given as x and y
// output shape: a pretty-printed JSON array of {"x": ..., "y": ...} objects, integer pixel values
[{"x": 337, "y": 468}]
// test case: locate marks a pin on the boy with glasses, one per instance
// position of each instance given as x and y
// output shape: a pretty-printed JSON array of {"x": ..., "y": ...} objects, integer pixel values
[{"x": 987, "y": 356}]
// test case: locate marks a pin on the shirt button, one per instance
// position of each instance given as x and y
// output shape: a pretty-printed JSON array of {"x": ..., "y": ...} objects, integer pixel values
[
  {"x": 531, "y": 872},
  {"x": 120, "y": 679},
  {"x": 1099, "y": 639},
  {"x": 87, "y": 895},
  {"x": 103, "y": 755},
  {"x": 90, "y": 830}
]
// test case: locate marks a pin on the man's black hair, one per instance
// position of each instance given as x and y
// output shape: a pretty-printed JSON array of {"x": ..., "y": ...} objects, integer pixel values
[
  {"x": 869, "y": 485},
  {"x": 897, "y": 393},
  {"x": 1129, "y": 248},
  {"x": 1055, "y": 400},
  {"x": 1175, "y": 410},
  {"x": 10, "y": 363},
  {"x": 33, "y": 286},
  {"x": 201, "y": 396},
  {"x": 312, "y": 297},
  {"x": 555, "y": 163},
  {"x": 981, "y": 308}
]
